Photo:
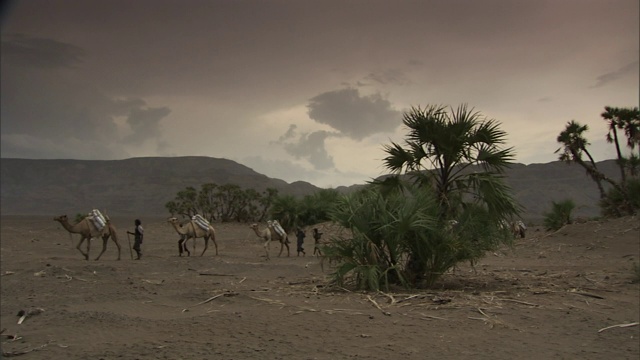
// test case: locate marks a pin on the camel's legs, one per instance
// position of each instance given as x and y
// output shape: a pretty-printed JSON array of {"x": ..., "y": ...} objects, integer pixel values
[
  {"x": 285, "y": 241},
  {"x": 206, "y": 244},
  {"x": 114, "y": 237},
  {"x": 104, "y": 246},
  {"x": 282, "y": 247},
  {"x": 88, "y": 248},
  {"x": 182, "y": 245},
  {"x": 86, "y": 255},
  {"x": 213, "y": 237},
  {"x": 215, "y": 244},
  {"x": 266, "y": 248}
]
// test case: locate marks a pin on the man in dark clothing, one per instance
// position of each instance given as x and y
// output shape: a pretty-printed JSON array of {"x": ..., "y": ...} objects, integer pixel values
[
  {"x": 300, "y": 235},
  {"x": 316, "y": 236},
  {"x": 139, "y": 234}
]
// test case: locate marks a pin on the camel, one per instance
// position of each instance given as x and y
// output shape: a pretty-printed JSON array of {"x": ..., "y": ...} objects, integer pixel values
[
  {"x": 88, "y": 231},
  {"x": 518, "y": 228},
  {"x": 192, "y": 230},
  {"x": 269, "y": 235}
]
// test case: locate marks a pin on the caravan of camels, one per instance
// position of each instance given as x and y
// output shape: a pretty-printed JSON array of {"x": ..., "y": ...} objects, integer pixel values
[{"x": 96, "y": 225}]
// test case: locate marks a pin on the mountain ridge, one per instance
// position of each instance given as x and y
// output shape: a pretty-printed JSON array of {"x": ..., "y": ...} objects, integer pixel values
[{"x": 141, "y": 186}]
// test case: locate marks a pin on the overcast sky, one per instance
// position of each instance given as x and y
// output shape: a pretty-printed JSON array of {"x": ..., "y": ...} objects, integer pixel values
[{"x": 305, "y": 90}]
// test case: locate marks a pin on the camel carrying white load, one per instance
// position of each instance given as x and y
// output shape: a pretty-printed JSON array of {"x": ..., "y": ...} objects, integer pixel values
[
  {"x": 277, "y": 227},
  {"x": 98, "y": 220},
  {"x": 202, "y": 222}
]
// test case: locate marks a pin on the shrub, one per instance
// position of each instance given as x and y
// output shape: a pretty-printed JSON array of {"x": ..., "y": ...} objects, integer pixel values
[
  {"x": 615, "y": 204},
  {"x": 79, "y": 217},
  {"x": 560, "y": 214},
  {"x": 402, "y": 239}
]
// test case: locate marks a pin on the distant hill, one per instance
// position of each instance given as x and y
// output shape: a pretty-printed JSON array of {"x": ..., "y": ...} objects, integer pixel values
[
  {"x": 137, "y": 186},
  {"x": 141, "y": 186}
]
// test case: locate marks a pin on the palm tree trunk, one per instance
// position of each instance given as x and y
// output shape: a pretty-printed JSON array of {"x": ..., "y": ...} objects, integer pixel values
[
  {"x": 596, "y": 179},
  {"x": 620, "y": 160}
]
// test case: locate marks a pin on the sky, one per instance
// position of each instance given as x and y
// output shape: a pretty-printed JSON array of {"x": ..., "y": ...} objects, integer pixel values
[{"x": 306, "y": 90}]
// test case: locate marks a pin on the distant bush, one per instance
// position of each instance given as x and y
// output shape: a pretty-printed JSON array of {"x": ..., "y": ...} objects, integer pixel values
[
  {"x": 615, "y": 204},
  {"x": 560, "y": 214},
  {"x": 79, "y": 217}
]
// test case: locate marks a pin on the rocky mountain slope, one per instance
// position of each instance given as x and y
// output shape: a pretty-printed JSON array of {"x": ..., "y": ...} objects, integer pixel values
[{"x": 141, "y": 186}]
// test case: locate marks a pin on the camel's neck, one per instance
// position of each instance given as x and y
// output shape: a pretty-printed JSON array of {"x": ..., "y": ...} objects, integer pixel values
[
  {"x": 75, "y": 229},
  {"x": 178, "y": 228},
  {"x": 258, "y": 232}
]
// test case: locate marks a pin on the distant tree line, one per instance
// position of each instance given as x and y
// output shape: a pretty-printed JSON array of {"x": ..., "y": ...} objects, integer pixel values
[
  {"x": 222, "y": 203},
  {"x": 230, "y": 202}
]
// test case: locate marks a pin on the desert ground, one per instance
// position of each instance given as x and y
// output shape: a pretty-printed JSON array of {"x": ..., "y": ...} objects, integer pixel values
[{"x": 553, "y": 295}]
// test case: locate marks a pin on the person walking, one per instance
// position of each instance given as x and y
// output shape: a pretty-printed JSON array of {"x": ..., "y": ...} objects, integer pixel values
[
  {"x": 316, "y": 237},
  {"x": 139, "y": 235},
  {"x": 300, "y": 235}
]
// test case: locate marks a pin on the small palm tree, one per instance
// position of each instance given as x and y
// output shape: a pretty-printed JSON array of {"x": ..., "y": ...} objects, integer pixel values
[
  {"x": 574, "y": 145},
  {"x": 560, "y": 214},
  {"x": 628, "y": 120},
  {"x": 458, "y": 153},
  {"x": 443, "y": 203}
]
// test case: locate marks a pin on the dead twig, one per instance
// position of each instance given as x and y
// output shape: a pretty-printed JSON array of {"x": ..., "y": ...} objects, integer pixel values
[
  {"x": 477, "y": 318},
  {"x": 210, "y": 299},
  {"x": 209, "y": 274},
  {"x": 343, "y": 311},
  {"x": 393, "y": 300},
  {"x": 520, "y": 302},
  {"x": 587, "y": 294},
  {"x": 270, "y": 301},
  {"x": 155, "y": 282},
  {"x": 618, "y": 326},
  {"x": 483, "y": 313},
  {"x": 24, "y": 314},
  {"x": 378, "y": 306},
  {"x": 408, "y": 298},
  {"x": 433, "y": 317}
]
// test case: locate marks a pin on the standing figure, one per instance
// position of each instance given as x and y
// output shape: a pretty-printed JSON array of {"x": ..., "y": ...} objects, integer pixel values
[
  {"x": 300, "y": 235},
  {"x": 316, "y": 236},
  {"x": 139, "y": 234}
]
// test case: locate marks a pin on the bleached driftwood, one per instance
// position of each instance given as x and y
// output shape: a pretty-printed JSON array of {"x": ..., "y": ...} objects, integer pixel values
[{"x": 619, "y": 326}]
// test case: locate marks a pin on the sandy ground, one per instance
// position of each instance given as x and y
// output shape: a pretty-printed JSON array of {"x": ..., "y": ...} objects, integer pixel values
[{"x": 551, "y": 296}]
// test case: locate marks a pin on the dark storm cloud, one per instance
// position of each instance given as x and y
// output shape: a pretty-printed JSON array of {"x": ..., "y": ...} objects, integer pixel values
[
  {"x": 46, "y": 102},
  {"x": 308, "y": 146},
  {"x": 353, "y": 115},
  {"x": 144, "y": 123},
  {"x": 388, "y": 77},
  {"x": 21, "y": 50},
  {"x": 627, "y": 70},
  {"x": 312, "y": 148}
]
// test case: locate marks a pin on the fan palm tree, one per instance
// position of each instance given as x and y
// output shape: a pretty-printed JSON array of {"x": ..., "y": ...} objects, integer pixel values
[
  {"x": 574, "y": 145},
  {"x": 459, "y": 154},
  {"x": 627, "y": 119},
  {"x": 404, "y": 231}
]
